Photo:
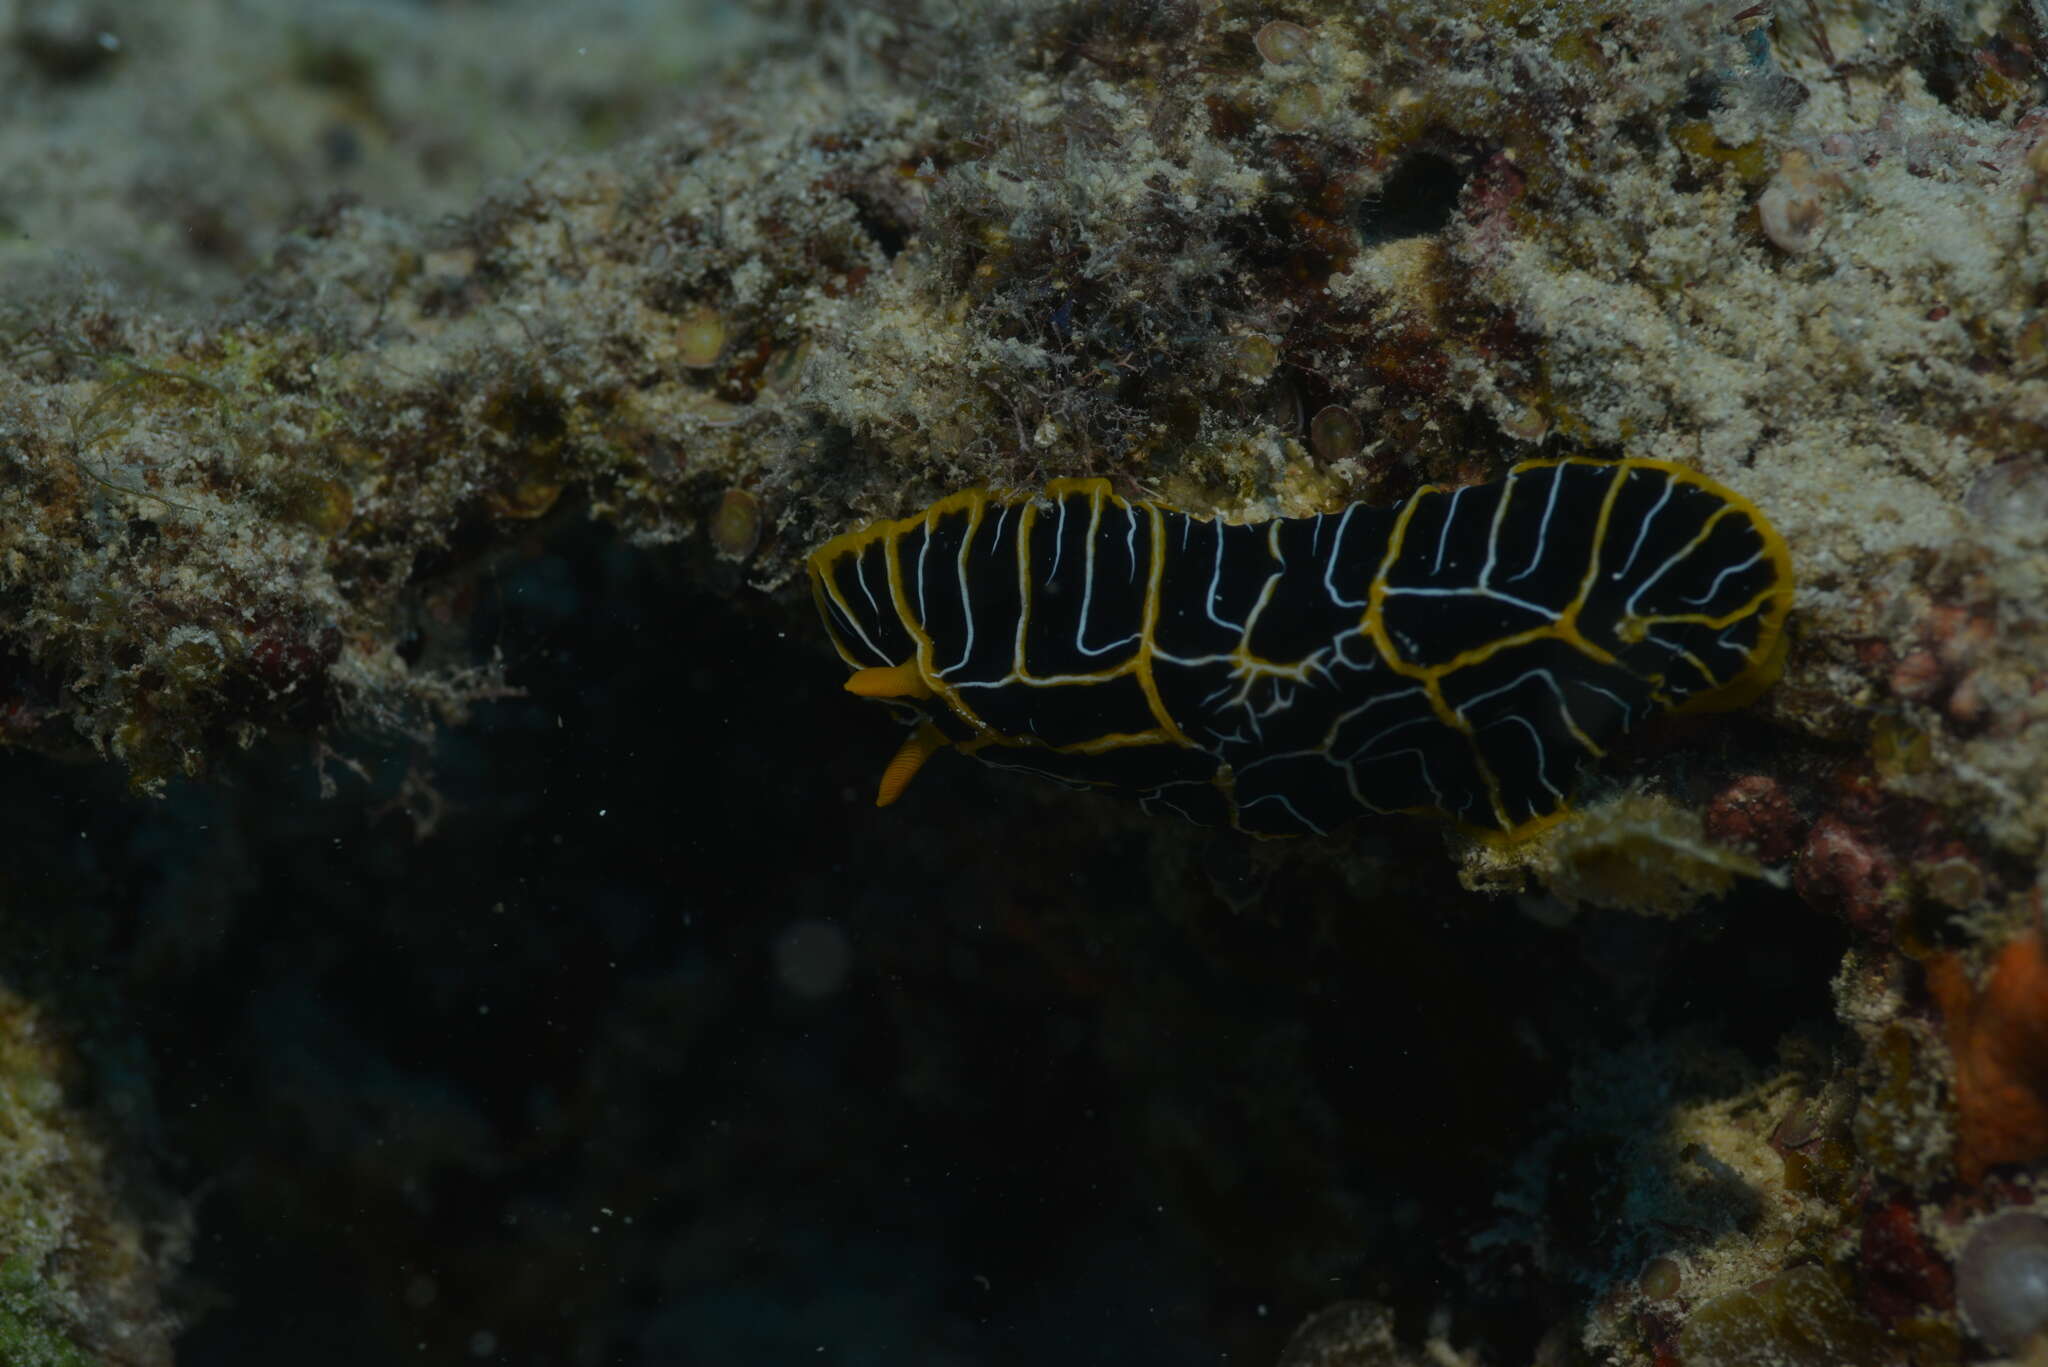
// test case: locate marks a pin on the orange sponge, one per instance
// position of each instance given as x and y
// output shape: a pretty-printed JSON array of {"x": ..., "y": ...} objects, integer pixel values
[{"x": 1999, "y": 1035}]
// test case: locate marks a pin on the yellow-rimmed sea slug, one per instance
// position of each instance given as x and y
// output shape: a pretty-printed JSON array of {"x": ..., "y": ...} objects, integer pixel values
[{"x": 1463, "y": 654}]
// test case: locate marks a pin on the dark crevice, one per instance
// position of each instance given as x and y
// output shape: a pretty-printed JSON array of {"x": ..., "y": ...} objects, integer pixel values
[{"x": 1417, "y": 199}]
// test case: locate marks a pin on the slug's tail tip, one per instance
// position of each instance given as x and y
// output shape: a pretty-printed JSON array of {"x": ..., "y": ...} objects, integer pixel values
[{"x": 923, "y": 743}]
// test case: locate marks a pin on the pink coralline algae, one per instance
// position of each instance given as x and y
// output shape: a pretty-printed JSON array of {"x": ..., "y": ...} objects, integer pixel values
[
  {"x": 1755, "y": 812},
  {"x": 1846, "y": 870}
]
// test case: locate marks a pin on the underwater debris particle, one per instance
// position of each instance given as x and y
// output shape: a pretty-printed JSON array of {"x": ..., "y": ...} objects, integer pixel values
[{"x": 812, "y": 958}]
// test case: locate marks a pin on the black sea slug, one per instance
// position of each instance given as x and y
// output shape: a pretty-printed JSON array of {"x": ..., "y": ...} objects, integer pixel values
[{"x": 1462, "y": 654}]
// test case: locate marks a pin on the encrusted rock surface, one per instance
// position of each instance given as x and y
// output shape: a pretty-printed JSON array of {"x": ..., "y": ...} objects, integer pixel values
[{"x": 263, "y": 432}]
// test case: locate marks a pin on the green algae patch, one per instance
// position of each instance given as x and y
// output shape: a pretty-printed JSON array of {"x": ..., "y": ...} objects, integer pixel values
[
  {"x": 26, "y": 1336},
  {"x": 77, "y": 1281},
  {"x": 1904, "y": 1125},
  {"x": 1798, "y": 1318},
  {"x": 1638, "y": 853}
]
